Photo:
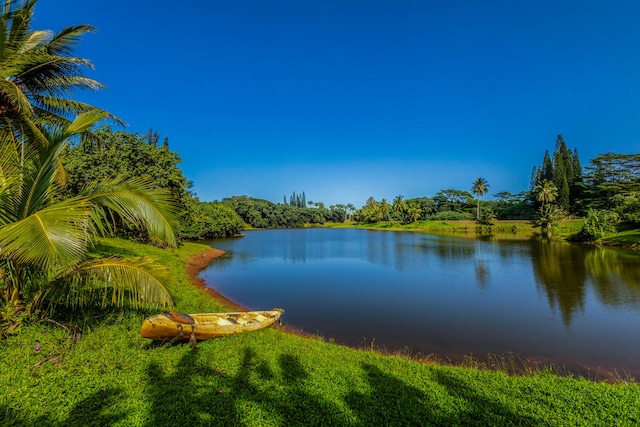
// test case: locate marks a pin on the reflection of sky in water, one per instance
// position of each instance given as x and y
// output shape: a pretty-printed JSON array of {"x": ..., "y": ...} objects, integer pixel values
[{"x": 441, "y": 295}]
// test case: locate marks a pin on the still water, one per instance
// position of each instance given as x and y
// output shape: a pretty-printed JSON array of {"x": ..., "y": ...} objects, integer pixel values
[{"x": 567, "y": 304}]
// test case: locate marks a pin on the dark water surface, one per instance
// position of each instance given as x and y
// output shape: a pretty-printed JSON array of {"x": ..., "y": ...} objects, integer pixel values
[{"x": 555, "y": 302}]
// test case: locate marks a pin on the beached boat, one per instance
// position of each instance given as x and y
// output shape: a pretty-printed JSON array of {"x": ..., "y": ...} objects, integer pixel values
[{"x": 197, "y": 327}]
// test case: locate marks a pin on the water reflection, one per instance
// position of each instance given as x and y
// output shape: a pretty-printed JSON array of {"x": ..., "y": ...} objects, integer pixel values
[
  {"x": 615, "y": 275},
  {"x": 565, "y": 272},
  {"x": 443, "y": 295},
  {"x": 560, "y": 272}
]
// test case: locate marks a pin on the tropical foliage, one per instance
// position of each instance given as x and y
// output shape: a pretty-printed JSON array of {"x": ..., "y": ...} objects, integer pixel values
[
  {"x": 598, "y": 223},
  {"x": 39, "y": 74},
  {"x": 45, "y": 241},
  {"x": 137, "y": 155}
]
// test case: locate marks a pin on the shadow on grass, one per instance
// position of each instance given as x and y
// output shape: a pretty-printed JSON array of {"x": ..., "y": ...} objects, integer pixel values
[
  {"x": 90, "y": 411},
  {"x": 195, "y": 393}
]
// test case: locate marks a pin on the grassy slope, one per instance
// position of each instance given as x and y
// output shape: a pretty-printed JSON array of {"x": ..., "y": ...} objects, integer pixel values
[{"x": 111, "y": 376}]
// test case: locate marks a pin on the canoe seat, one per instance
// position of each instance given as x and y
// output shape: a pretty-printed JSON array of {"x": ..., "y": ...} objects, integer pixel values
[{"x": 180, "y": 317}]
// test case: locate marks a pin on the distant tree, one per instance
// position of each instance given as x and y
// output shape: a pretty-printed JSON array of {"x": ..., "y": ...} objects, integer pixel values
[
  {"x": 350, "y": 209},
  {"x": 611, "y": 175},
  {"x": 561, "y": 175},
  {"x": 427, "y": 206},
  {"x": 546, "y": 192},
  {"x": 546, "y": 170},
  {"x": 452, "y": 200},
  {"x": 152, "y": 137},
  {"x": 208, "y": 220},
  {"x": 563, "y": 168},
  {"x": 385, "y": 209},
  {"x": 513, "y": 206},
  {"x": 414, "y": 212},
  {"x": 340, "y": 209},
  {"x": 400, "y": 207},
  {"x": 480, "y": 187},
  {"x": 576, "y": 194}
]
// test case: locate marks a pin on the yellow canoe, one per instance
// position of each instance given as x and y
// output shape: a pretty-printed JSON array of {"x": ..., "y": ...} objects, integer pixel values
[{"x": 204, "y": 326}]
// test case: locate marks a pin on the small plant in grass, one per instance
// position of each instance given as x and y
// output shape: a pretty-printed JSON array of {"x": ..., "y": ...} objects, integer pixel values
[{"x": 487, "y": 217}]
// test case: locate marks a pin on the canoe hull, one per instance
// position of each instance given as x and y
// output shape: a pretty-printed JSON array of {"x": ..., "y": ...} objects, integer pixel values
[{"x": 205, "y": 326}]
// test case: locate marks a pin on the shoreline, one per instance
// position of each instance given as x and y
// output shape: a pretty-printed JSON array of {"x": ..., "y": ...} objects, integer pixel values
[{"x": 198, "y": 262}]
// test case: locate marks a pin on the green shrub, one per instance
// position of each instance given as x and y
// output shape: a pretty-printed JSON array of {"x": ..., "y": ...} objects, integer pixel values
[{"x": 598, "y": 223}]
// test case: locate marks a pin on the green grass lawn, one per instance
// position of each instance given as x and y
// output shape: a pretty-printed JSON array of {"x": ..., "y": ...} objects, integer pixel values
[{"x": 111, "y": 376}]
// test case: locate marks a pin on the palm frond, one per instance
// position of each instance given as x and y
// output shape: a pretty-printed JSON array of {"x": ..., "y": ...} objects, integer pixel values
[
  {"x": 35, "y": 40},
  {"x": 63, "y": 43},
  {"x": 137, "y": 282},
  {"x": 138, "y": 202},
  {"x": 21, "y": 21},
  {"x": 55, "y": 236},
  {"x": 45, "y": 105},
  {"x": 13, "y": 97}
]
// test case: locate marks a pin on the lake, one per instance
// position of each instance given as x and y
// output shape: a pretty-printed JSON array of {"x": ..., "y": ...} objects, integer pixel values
[{"x": 567, "y": 304}]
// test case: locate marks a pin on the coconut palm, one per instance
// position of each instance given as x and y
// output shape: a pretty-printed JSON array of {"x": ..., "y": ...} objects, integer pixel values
[
  {"x": 37, "y": 75},
  {"x": 414, "y": 212},
  {"x": 44, "y": 243},
  {"x": 385, "y": 209},
  {"x": 480, "y": 187},
  {"x": 546, "y": 192},
  {"x": 400, "y": 207}
]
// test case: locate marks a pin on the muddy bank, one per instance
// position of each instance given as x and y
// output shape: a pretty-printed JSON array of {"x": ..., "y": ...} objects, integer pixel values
[{"x": 199, "y": 262}]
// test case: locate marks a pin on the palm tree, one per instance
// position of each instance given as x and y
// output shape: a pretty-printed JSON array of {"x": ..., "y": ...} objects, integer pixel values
[
  {"x": 37, "y": 73},
  {"x": 350, "y": 210},
  {"x": 385, "y": 209},
  {"x": 45, "y": 243},
  {"x": 547, "y": 216},
  {"x": 546, "y": 192},
  {"x": 414, "y": 211},
  {"x": 480, "y": 187},
  {"x": 400, "y": 207}
]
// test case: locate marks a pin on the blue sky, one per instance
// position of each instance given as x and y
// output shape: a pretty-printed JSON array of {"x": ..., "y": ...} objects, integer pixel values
[{"x": 349, "y": 99}]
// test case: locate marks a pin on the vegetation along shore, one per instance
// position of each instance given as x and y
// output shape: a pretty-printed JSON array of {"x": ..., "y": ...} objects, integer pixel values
[{"x": 97, "y": 232}]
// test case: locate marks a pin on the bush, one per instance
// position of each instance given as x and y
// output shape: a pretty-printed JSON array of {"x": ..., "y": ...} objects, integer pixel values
[
  {"x": 487, "y": 217},
  {"x": 628, "y": 207},
  {"x": 598, "y": 223}
]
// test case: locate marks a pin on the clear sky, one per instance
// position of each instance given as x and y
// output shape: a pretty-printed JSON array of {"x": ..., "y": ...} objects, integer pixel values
[{"x": 349, "y": 99}]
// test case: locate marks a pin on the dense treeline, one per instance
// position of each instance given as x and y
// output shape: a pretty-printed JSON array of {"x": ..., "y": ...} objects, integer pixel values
[
  {"x": 606, "y": 194},
  {"x": 136, "y": 155},
  {"x": 450, "y": 204},
  {"x": 259, "y": 213}
]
